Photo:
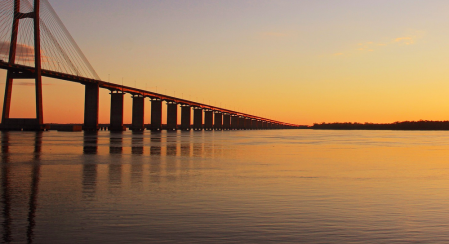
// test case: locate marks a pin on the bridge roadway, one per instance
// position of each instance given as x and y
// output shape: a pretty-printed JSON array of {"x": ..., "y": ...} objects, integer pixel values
[{"x": 26, "y": 70}]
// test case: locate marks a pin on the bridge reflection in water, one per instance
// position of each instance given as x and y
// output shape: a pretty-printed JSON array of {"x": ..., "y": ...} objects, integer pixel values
[
  {"x": 190, "y": 187},
  {"x": 18, "y": 192},
  {"x": 135, "y": 158}
]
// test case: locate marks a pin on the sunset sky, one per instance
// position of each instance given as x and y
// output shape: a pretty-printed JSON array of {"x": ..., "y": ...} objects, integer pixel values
[{"x": 297, "y": 61}]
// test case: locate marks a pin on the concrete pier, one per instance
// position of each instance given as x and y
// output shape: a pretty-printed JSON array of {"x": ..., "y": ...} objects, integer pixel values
[
  {"x": 241, "y": 123},
  {"x": 226, "y": 121},
  {"x": 197, "y": 118},
  {"x": 91, "y": 103},
  {"x": 138, "y": 113},
  {"x": 156, "y": 114},
  {"x": 234, "y": 122},
  {"x": 208, "y": 120},
  {"x": 185, "y": 117},
  {"x": 8, "y": 94},
  {"x": 218, "y": 121},
  {"x": 254, "y": 124},
  {"x": 116, "y": 116},
  {"x": 172, "y": 116},
  {"x": 248, "y": 124}
]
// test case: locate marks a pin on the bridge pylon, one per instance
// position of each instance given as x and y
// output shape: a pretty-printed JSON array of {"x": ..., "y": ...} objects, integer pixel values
[{"x": 33, "y": 123}]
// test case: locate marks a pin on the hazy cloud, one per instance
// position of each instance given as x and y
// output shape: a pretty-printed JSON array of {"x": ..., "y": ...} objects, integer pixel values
[
  {"x": 373, "y": 46},
  {"x": 369, "y": 46},
  {"x": 24, "y": 53},
  {"x": 26, "y": 83},
  {"x": 408, "y": 40}
]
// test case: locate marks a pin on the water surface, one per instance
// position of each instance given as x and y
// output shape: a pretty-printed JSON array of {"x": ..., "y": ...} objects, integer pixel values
[{"x": 279, "y": 186}]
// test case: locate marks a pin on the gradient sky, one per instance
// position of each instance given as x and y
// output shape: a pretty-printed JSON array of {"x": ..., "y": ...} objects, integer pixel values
[{"x": 296, "y": 61}]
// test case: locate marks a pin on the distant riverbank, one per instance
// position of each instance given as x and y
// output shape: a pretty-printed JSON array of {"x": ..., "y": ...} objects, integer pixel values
[{"x": 404, "y": 125}]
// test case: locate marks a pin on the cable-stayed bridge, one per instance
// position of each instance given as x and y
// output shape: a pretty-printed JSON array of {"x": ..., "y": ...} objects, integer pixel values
[{"x": 35, "y": 43}]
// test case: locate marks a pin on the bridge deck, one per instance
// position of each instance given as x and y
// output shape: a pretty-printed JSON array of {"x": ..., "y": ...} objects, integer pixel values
[{"x": 127, "y": 89}]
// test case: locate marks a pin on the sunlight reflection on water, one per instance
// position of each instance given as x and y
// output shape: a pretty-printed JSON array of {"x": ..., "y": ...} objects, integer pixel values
[{"x": 232, "y": 186}]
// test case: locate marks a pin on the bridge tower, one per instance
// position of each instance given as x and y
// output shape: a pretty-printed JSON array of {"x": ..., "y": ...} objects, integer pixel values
[{"x": 26, "y": 124}]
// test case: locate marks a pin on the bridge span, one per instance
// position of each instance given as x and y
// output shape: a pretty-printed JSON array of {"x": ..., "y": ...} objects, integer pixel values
[
  {"x": 215, "y": 118},
  {"x": 77, "y": 69}
]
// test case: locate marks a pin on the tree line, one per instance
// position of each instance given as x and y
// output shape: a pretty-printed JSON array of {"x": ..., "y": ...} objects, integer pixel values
[{"x": 403, "y": 125}]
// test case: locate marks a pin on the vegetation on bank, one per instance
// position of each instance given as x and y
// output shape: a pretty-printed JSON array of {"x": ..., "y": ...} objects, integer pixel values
[{"x": 404, "y": 125}]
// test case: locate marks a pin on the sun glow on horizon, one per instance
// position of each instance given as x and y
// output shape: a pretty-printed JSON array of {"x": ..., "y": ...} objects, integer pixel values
[{"x": 300, "y": 62}]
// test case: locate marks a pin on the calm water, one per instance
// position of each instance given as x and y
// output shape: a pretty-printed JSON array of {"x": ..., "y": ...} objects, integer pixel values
[{"x": 285, "y": 186}]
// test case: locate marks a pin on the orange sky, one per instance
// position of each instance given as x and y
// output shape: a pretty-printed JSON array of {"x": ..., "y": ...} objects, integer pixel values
[{"x": 296, "y": 61}]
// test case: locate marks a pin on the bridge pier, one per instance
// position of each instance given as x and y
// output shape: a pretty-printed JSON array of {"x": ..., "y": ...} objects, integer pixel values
[
  {"x": 172, "y": 115},
  {"x": 255, "y": 124},
  {"x": 247, "y": 123},
  {"x": 234, "y": 122},
  {"x": 218, "y": 120},
  {"x": 116, "y": 116},
  {"x": 7, "y": 98},
  {"x": 91, "y": 104},
  {"x": 241, "y": 123},
  {"x": 138, "y": 113},
  {"x": 197, "y": 118},
  {"x": 208, "y": 120},
  {"x": 156, "y": 114},
  {"x": 226, "y": 121},
  {"x": 185, "y": 117}
]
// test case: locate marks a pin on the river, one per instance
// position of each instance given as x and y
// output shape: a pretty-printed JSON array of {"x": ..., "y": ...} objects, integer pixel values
[{"x": 269, "y": 186}]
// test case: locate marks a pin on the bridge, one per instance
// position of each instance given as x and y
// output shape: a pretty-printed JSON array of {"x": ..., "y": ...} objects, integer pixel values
[{"x": 42, "y": 47}]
